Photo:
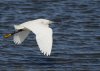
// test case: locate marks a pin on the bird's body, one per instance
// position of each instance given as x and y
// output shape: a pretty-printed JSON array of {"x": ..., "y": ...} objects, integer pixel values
[{"x": 41, "y": 29}]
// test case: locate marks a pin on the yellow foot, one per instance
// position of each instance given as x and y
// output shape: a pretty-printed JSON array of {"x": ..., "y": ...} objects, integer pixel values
[{"x": 7, "y": 35}]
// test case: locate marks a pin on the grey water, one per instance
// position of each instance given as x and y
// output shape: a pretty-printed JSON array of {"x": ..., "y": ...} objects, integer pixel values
[{"x": 76, "y": 36}]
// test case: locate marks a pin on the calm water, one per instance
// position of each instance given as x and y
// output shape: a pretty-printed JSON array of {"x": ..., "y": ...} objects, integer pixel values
[{"x": 76, "y": 44}]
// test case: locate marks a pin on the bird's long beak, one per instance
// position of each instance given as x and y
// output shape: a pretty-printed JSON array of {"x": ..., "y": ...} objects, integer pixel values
[
  {"x": 54, "y": 22},
  {"x": 51, "y": 21}
]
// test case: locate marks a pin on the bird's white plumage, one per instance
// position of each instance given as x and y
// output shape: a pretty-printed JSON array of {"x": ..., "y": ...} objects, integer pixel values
[
  {"x": 42, "y": 31},
  {"x": 45, "y": 41},
  {"x": 20, "y": 37}
]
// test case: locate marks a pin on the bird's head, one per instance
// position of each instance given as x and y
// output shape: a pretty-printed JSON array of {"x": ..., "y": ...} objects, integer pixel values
[{"x": 45, "y": 21}]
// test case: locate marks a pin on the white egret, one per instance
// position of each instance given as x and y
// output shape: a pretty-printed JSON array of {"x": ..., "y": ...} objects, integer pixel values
[{"x": 40, "y": 27}]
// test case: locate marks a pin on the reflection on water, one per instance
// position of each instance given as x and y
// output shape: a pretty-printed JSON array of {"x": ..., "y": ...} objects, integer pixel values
[{"x": 76, "y": 37}]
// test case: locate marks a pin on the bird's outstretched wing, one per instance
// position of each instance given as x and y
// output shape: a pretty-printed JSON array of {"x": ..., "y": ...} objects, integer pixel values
[
  {"x": 20, "y": 37},
  {"x": 44, "y": 41},
  {"x": 43, "y": 37}
]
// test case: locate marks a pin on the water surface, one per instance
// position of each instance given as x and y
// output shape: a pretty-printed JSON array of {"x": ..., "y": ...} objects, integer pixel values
[{"x": 76, "y": 44}]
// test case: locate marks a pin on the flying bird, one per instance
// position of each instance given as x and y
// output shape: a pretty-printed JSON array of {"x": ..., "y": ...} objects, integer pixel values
[{"x": 40, "y": 27}]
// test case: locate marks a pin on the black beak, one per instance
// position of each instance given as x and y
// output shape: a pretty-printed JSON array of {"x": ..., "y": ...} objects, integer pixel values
[{"x": 56, "y": 22}]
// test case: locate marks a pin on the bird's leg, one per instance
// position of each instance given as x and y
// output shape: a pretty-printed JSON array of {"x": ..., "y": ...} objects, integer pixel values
[
  {"x": 17, "y": 31},
  {"x": 11, "y": 34}
]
